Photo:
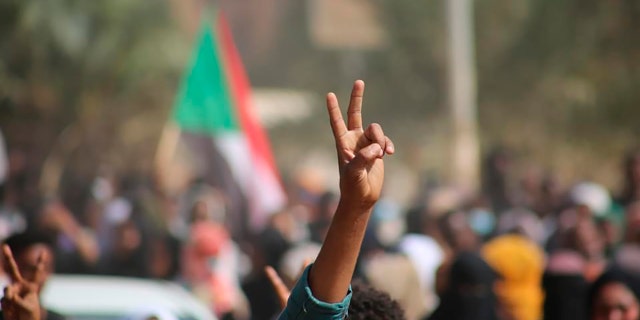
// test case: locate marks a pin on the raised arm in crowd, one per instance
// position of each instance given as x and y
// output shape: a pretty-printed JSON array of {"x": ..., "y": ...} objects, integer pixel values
[{"x": 323, "y": 291}]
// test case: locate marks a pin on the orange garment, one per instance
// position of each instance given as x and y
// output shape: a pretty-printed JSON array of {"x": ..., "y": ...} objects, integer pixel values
[{"x": 520, "y": 264}]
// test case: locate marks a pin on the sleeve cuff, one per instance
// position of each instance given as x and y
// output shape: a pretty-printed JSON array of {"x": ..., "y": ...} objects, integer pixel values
[{"x": 303, "y": 305}]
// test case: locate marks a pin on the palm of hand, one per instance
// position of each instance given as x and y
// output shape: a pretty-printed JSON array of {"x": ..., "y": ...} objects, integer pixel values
[
  {"x": 30, "y": 308},
  {"x": 360, "y": 151},
  {"x": 364, "y": 182}
]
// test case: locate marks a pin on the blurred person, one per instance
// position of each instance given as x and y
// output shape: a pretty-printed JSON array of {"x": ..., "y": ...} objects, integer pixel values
[
  {"x": 264, "y": 249},
  {"x": 481, "y": 219},
  {"x": 565, "y": 286},
  {"x": 632, "y": 223},
  {"x": 587, "y": 201},
  {"x": 115, "y": 212},
  {"x": 455, "y": 236},
  {"x": 590, "y": 199},
  {"x": 610, "y": 226},
  {"x": 424, "y": 252},
  {"x": 163, "y": 257},
  {"x": 523, "y": 222},
  {"x": 284, "y": 244},
  {"x": 76, "y": 246},
  {"x": 296, "y": 256},
  {"x": 201, "y": 200},
  {"x": 519, "y": 262},
  {"x": 386, "y": 269},
  {"x": 590, "y": 242},
  {"x": 387, "y": 223},
  {"x": 396, "y": 276},
  {"x": 550, "y": 205},
  {"x": 29, "y": 259},
  {"x": 628, "y": 253},
  {"x": 468, "y": 293},
  {"x": 291, "y": 223},
  {"x": 324, "y": 210},
  {"x": 443, "y": 200},
  {"x": 529, "y": 191},
  {"x": 127, "y": 255},
  {"x": 464, "y": 277},
  {"x": 586, "y": 239},
  {"x": 457, "y": 233},
  {"x": 614, "y": 295},
  {"x": 496, "y": 179},
  {"x": 631, "y": 175},
  {"x": 110, "y": 207},
  {"x": 12, "y": 217},
  {"x": 210, "y": 266},
  {"x": 17, "y": 187}
]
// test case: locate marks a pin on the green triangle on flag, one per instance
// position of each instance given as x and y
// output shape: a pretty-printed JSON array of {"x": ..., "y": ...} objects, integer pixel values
[
  {"x": 204, "y": 103},
  {"x": 225, "y": 141}
]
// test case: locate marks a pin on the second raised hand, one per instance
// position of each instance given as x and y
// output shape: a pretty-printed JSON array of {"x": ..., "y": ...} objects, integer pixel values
[{"x": 360, "y": 150}]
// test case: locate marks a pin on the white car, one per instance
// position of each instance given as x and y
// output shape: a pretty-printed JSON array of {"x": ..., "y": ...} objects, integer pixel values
[{"x": 116, "y": 298}]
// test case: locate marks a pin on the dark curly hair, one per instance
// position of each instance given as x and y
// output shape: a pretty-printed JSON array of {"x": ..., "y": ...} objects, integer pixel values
[{"x": 371, "y": 304}]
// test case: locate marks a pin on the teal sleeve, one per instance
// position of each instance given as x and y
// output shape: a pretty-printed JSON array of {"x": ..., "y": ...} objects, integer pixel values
[{"x": 303, "y": 305}]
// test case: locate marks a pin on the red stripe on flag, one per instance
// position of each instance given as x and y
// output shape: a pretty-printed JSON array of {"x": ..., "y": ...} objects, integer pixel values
[
  {"x": 239, "y": 88},
  {"x": 240, "y": 91}
]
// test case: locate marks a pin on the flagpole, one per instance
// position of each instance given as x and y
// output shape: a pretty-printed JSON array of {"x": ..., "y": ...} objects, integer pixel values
[{"x": 463, "y": 95}]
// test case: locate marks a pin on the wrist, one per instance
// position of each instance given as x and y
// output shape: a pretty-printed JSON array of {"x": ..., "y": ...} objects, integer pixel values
[{"x": 354, "y": 207}]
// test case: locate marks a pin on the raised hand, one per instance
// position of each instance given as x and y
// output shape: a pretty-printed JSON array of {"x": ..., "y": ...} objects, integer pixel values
[
  {"x": 360, "y": 151},
  {"x": 21, "y": 300},
  {"x": 281, "y": 289}
]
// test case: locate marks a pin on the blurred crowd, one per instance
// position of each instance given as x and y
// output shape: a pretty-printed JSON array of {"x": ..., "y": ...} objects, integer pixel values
[{"x": 525, "y": 247}]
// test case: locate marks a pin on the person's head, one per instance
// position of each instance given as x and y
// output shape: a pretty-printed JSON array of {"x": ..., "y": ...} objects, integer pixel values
[
  {"x": 590, "y": 199},
  {"x": 27, "y": 248},
  {"x": 371, "y": 304},
  {"x": 457, "y": 232},
  {"x": 587, "y": 239},
  {"x": 468, "y": 291},
  {"x": 414, "y": 220},
  {"x": 614, "y": 296},
  {"x": 523, "y": 222},
  {"x": 128, "y": 238},
  {"x": 208, "y": 205}
]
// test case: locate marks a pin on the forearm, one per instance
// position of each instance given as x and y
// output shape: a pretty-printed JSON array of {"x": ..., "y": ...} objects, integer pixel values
[{"x": 331, "y": 273}]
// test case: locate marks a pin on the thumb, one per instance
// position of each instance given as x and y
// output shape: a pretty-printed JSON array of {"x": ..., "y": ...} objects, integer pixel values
[{"x": 365, "y": 156}]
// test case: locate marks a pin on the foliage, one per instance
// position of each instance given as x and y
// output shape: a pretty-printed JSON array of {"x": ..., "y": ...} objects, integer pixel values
[
  {"x": 87, "y": 83},
  {"x": 557, "y": 79}
]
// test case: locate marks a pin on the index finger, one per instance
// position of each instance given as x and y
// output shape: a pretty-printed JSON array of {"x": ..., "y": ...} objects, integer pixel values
[
  {"x": 335, "y": 116},
  {"x": 281, "y": 289},
  {"x": 14, "y": 272},
  {"x": 354, "y": 113}
]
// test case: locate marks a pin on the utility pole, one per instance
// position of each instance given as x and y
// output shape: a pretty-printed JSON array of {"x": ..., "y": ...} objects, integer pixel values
[{"x": 463, "y": 95}]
